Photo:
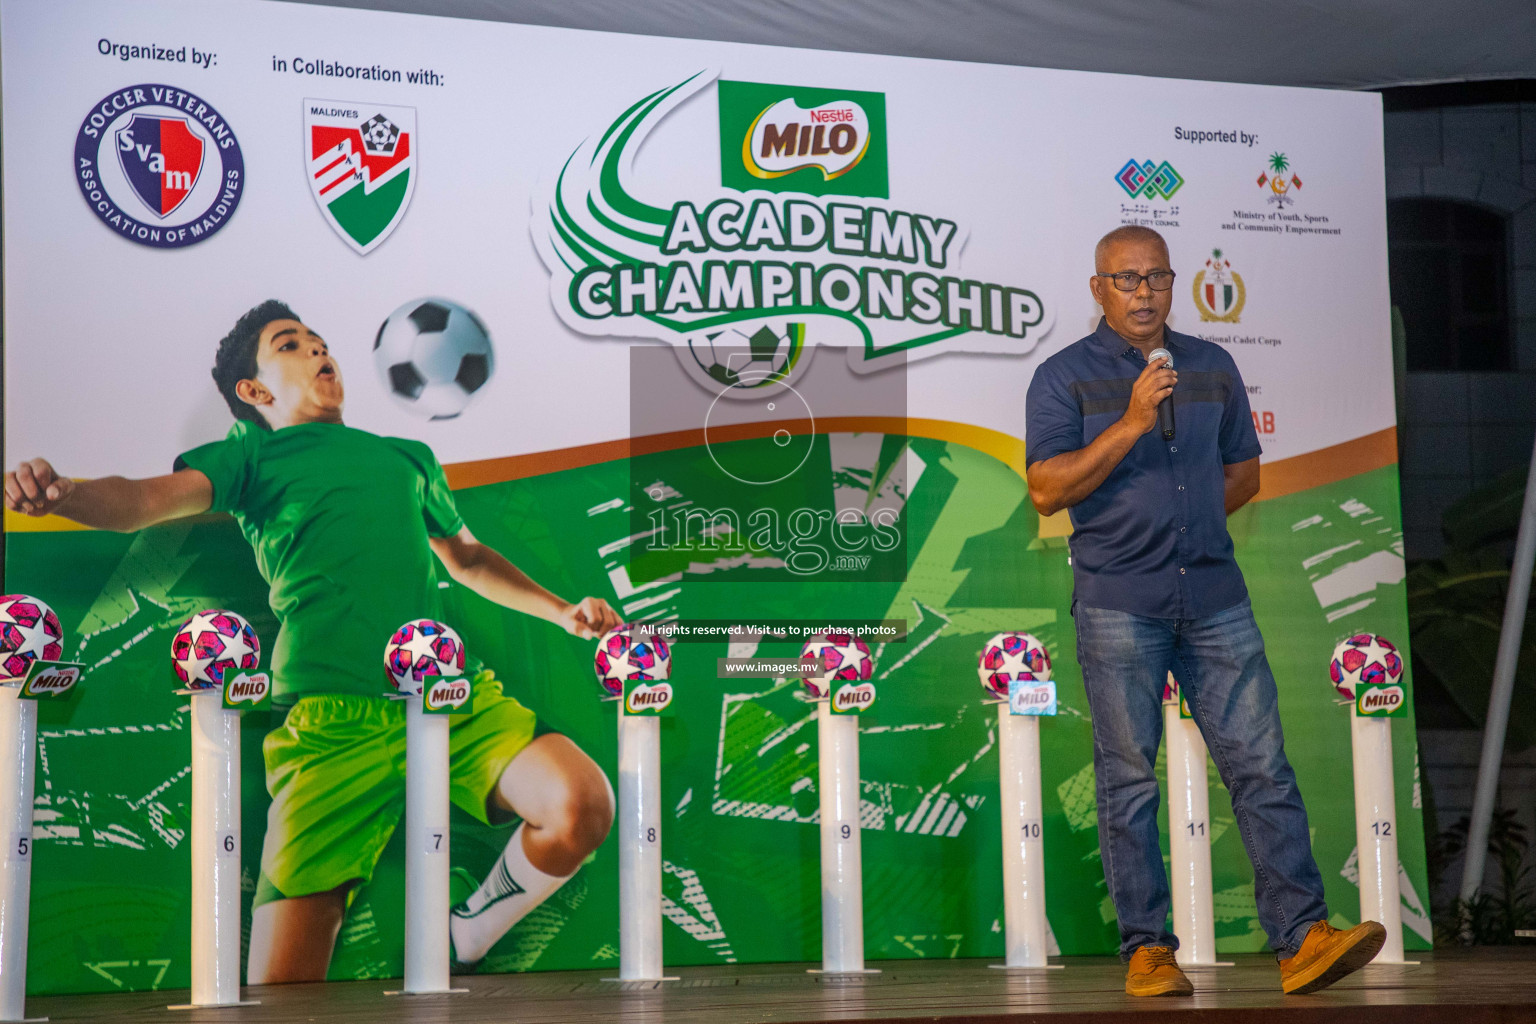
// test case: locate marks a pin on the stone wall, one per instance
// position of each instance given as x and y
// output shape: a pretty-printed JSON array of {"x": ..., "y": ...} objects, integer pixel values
[{"x": 1460, "y": 430}]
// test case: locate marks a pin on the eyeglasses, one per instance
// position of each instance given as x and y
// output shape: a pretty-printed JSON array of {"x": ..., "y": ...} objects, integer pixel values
[{"x": 1127, "y": 281}]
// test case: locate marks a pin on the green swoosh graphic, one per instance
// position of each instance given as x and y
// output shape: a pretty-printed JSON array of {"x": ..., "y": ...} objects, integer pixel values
[{"x": 608, "y": 179}]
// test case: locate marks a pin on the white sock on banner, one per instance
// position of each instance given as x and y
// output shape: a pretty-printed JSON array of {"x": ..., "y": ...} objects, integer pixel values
[{"x": 512, "y": 889}]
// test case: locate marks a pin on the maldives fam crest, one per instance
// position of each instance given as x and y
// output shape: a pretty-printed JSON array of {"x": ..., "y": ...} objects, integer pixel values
[
  {"x": 361, "y": 160},
  {"x": 800, "y": 245},
  {"x": 159, "y": 165}
]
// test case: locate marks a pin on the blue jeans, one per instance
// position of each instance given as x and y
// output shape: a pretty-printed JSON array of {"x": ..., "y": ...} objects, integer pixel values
[{"x": 1220, "y": 665}]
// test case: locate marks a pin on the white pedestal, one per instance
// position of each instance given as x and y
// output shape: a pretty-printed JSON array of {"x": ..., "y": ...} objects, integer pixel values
[
  {"x": 1376, "y": 831},
  {"x": 1018, "y": 743},
  {"x": 18, "y": 766},
  {"x": 639, "y": 824},
  {"x": 426, "y": 853},
  {"x": 215, "y": 842},
  {"x": 1189, "y": 842},
  {"x": 842, "y": 873}
]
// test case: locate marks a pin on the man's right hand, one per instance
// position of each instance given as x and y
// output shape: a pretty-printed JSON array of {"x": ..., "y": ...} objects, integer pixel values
[
  {"x": 34, "y": 489},
  {"x": 1155, "y": 384}
]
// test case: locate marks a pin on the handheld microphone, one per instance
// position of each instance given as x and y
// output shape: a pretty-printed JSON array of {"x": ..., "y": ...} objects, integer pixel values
[{"x": 1165, "y": 407}]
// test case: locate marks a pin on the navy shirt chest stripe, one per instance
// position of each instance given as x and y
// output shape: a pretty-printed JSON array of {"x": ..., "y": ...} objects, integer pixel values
[{"x": 1095, "y": 397}]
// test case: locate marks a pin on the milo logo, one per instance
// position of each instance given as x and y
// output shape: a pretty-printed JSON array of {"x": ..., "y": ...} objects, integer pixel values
[
  {"x": 1034, "y": 696},
  {"x": 1031, "y": 698},
  {"x": 1380, "y": 700},
  {"x": 850, "y": 699},
  {"x": 787, "y": 138},
  {"x": 50, "y": 679},
  {"x": 447, "y": 697},
  {"x": 253, "y": 690},
  {"x": 647, "y": 699}
]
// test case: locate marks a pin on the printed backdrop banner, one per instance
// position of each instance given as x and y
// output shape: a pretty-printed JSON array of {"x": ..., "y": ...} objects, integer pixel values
[{"x": 493, "y": 226}]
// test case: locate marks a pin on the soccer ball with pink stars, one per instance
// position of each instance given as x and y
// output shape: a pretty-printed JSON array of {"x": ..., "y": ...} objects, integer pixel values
[
  {"x": 29, "y": 632},
  {"x": 420, "y": 650},
  {"x": 1364, "y": 660},
  {"x": 631, "y": 651},
  {"x": 834, "y": 657},
  {"x": 1010, "y": 656},
  {"x": 211, "y": 643}
]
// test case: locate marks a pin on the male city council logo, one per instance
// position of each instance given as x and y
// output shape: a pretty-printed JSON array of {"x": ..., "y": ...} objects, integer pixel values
[
  {"x": 159, "y": 165},
  {"x": 1219, "y": 290},
  {"x": 1149, "y": 180},
  {"x": 1274, "y": 178},
  {"x": 361, "y": 163},
  {"x": 800, "y": 139}
]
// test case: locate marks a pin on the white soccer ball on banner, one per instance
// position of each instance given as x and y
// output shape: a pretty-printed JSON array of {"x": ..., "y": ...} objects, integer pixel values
[
  {"x": 434, "y": 356},
  {"x": 1010, "y": 656},
  {"x": 211, "y": 643},
  {"x": 1364, "y": 660},
  {"x": 747, "y": 358},
  {"x": 419, "y": 650},
  {"x": 29, "y": 632},
  {"x": 630, "y": 651},
  {"x": 834, "y": 657}
]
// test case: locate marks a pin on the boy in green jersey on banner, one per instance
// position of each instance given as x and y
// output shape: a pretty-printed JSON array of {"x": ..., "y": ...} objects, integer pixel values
[{"x": 345, "y": 525}]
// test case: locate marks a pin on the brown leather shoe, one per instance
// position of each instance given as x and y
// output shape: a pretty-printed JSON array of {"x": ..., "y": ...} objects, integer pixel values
[
  {"x": 1328, "y": 954},
  {"x": 1153, "y": 972}
]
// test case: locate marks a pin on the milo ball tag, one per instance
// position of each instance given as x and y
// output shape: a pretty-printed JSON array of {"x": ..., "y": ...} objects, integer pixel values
[
  {"x": 248, "y": 692},
  {"x": 453, "y": 695},
  {"x": 50, "y": 680}
]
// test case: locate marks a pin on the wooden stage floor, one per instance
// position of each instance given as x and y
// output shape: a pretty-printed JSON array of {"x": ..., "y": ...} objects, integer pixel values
[{"x": 1460, "y": 987}]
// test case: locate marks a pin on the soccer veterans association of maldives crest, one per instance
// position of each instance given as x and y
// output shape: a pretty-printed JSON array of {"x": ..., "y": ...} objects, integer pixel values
[
  {"x": 159, "y": 165},
  {"x": 361, "y": 161}
]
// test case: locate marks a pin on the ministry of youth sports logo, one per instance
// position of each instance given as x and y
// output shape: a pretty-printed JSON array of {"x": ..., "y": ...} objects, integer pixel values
[
  {"x": 159, "y": 165},
  {"x": 361, "y": 160}
]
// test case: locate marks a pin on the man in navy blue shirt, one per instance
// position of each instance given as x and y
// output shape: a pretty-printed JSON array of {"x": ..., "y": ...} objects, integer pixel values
[{"x": 1158, "y": 589}]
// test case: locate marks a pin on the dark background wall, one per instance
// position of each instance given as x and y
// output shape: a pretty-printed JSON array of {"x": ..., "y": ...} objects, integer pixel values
[
  {"x": 1461, "y": 194},
  {"x": 1468, "y": 151}
]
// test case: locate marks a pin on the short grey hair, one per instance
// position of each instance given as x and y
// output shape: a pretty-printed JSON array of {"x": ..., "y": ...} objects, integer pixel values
[{"x": 1124, "y": 233}]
